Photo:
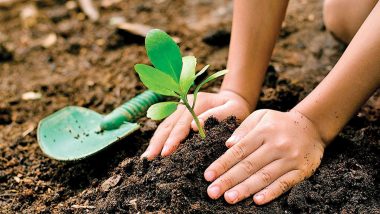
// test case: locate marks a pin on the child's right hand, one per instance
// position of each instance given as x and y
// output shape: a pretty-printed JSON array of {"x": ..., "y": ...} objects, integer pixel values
[{"x": 177, "y": 126}]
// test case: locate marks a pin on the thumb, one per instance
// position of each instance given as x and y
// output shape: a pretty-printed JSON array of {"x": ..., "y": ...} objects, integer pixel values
[
  {"x": 245, "y": 127},
  {"x": 220, "y": 113}
]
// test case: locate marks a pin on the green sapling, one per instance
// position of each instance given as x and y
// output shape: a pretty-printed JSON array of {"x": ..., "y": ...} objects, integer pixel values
[{"x": 172, "y": 75}]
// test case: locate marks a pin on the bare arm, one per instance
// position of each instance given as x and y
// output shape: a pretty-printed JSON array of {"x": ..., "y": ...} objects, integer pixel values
[
  {"x": 349, "y": 84},
  {"x": 255, "y": 27}
]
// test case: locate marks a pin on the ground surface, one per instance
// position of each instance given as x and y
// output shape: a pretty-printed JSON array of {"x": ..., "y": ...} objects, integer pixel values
[{"x": 90, "y": 65}]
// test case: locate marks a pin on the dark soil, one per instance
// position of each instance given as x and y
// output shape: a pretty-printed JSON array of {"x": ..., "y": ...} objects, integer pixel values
[
  {"x": 346, "y": 182},
  {"x": 90, "y": 65}
]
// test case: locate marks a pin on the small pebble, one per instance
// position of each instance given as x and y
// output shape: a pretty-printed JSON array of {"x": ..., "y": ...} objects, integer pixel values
[{"x": 31, "y": 95}]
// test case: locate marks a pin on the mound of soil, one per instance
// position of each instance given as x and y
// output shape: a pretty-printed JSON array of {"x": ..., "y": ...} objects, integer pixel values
[{"x": 346, "y": 182}]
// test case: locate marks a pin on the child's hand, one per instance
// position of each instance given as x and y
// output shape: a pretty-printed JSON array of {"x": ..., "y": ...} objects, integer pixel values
[
  {"x": 269, "y": 153},
  {"x": 176, "y": 127}
]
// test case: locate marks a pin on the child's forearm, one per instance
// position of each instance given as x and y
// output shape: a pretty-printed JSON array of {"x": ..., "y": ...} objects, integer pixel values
[
  {"x": 350, "y": 83},
  {"x": 255, "y": 27}
]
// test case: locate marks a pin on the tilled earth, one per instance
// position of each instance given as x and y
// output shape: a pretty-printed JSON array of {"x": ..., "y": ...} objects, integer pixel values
[
  {"x": 346, "y": 182},
  {"x": 91, "y": 64}
]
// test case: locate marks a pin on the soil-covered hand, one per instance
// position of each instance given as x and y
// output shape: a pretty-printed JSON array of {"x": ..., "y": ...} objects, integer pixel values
[
  {"x": 269, "y": 153},
  {"x": 177, "y": 126}
]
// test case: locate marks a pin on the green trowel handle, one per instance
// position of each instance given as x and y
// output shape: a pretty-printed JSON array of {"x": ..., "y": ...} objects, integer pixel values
[{"x": 131, "y": 110}]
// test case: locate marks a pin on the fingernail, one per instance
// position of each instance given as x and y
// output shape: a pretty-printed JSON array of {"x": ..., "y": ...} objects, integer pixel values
[
  {"x": 214, "y": 192},
  {"x": 165, "y": 150},
  {"x": 145, "y": 154},
  {"x": 232, "y": 140},
  {"x": 194, "y": 125},
  {"x": 259, "y": 198},
  {"x": 232, "y": 196},
  {"x": 209, "y": 175}
]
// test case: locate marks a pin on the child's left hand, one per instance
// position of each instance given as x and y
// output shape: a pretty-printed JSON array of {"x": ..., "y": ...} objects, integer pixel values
[{"x": 269, "y": 153}]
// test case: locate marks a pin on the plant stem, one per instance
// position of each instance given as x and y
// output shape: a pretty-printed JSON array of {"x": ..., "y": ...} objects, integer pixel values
[{"x": 200, "y": 128}]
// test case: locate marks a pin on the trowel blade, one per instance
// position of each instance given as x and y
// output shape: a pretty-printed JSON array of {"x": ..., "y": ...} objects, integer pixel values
[{"x": 73, "y": 133}]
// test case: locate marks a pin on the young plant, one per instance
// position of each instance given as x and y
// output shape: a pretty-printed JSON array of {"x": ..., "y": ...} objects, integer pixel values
[{"x": 172, "y": 75}]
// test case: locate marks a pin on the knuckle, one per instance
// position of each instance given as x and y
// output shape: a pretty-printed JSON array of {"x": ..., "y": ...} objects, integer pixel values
[
  {"x": 182, "y": 128},
  {"x": 283, "y": 145},
  {"x": 268, "y": 126},
  {"x": 182, "y": 123},
  {"x": 295, "y": 154},
  {"x": 248, "y": 166},
  {"x": 284, "y": 186},
  {"x": 227, "y": 181},
  {"x": 238, "y": 151},
  {"x": 216, "y": 102},
  {"x": 221, "y": 166},
  {"x": 257, "y": 114},
  {"x": 162, "y": 129},
  {"x": 266, "y": 177},
  {"x": 166, "y": 125},
  {"x": 262, "y": 111}
]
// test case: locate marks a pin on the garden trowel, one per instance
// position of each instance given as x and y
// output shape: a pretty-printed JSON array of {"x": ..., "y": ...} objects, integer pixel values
[{"x": 74, "y": 133}]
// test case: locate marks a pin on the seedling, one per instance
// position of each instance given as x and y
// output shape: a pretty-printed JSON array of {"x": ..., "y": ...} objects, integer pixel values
[{"x": 172, "y": 75}]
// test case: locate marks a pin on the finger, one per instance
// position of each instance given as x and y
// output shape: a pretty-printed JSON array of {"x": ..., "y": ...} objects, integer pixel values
[
  {"x": 194, "y": 126},
  {"x": 202, "y": 108},
  {"x": 278, "y": 187},
  {"x": 219, "y": 112},
  {"x": 161, "y": 134},
  {"x": 241, "y": 171},
  {"x": 179, "y": 132},
  {"x": 182, "y": 128},
  {"x": 247, "y": 125},
  {"x": 234, "y": 155},
  {"x": 257, "y": 181}
]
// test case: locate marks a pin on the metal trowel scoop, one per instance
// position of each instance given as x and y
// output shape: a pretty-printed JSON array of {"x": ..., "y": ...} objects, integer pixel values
[{"x": 74, "y": 133}]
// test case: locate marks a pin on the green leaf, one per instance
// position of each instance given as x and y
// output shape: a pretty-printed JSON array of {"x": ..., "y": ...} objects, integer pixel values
[
  {"x": 157, "y": 80},
  {"x": 202, "y": 71},
  {"x": 164, "y": 53},
  {"x": 187, "y": 73},
  {"x": 208, "y": 79},
  {"x": 159, "y": 111}
]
